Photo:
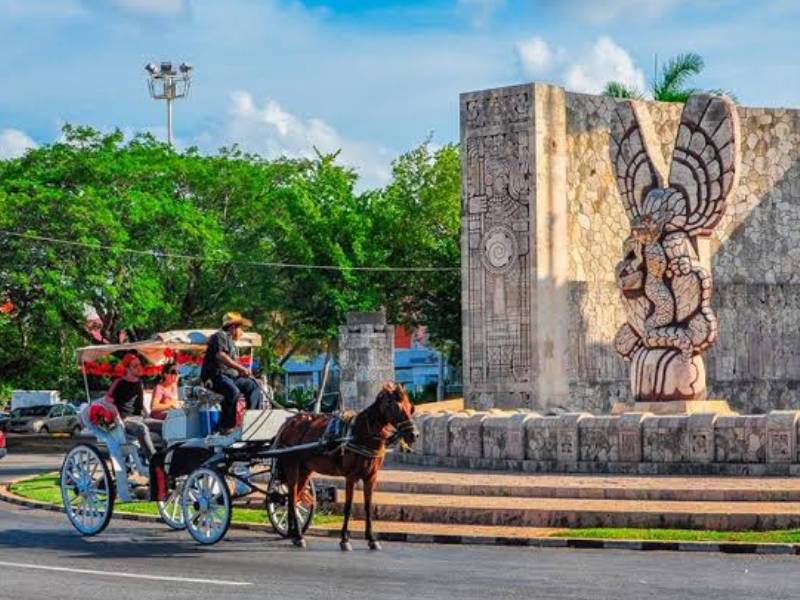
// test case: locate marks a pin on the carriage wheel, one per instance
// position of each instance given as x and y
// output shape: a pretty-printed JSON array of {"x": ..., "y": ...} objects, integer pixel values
[
  {"x": 206, "y": 505},
  {"x": 278, "y": 507},
  {"x": 171, "y": 510},
  {"x": 87, "y": 490}
]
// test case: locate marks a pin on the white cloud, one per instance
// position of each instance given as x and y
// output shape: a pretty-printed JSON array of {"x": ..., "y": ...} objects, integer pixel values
[
  {"x": 610, "y": 10},
  {"x": 272, "y": 131},
  {"x": 606, "y": 62},
  {"x": 14, "y": 143},
  {"x": 480, "y": 11},
  {"x": 535, "y": 56}
]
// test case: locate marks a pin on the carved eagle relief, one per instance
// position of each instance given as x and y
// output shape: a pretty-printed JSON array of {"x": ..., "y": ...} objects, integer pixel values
[{"x": 667, "y": 293}]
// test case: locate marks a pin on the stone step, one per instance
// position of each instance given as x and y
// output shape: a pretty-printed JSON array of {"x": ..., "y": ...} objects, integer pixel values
[
  {"x": 575, "y": 512},
  {"x": 597, "y": 487}
]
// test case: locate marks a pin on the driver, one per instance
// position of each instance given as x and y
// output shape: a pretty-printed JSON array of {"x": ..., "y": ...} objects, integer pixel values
[{"x": 226, "y": 376}]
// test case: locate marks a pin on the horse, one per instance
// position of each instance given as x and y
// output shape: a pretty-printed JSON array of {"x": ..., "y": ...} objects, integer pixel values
[{"x": 358, "y": 458}]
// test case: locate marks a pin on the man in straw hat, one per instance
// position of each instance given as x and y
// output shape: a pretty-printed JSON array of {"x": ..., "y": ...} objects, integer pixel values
[{"x": 226, "y": 376}]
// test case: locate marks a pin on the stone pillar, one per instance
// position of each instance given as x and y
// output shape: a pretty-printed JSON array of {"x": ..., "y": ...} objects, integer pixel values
[
  {"x": 366, "y": 357},
  {"x": 514, "y": 247}
]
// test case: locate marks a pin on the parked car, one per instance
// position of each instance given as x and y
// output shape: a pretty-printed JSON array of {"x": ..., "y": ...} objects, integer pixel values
[
  {"x": 5, "y": 417},
  {"x": 2, "y": 444},
  {"x": 59, "y": 418}
]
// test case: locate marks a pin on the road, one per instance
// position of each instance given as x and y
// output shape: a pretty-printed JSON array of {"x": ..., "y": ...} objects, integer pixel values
[{"x": 41, "y": 557}]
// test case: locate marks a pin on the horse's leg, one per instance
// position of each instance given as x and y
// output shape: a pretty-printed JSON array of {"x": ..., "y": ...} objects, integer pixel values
[
  {"x": 369, "y": 486},
  {"x": 290, "y": 475},
  {"x": 294, "y": 527},
  {"x": 348, "y": 506}
]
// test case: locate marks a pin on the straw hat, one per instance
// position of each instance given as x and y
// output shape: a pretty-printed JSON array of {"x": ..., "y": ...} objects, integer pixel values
[{"x": 235, "y": 318}]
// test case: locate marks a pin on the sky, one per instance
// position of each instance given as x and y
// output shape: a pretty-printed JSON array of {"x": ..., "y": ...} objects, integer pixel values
[{"x": 372, "y": 79}]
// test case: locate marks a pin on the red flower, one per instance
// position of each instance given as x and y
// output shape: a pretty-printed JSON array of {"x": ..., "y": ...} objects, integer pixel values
[
  {"x": 169, "y": 353},
  {"x": 103, "y": 415},
  {"x": 7, "y": 308},
  {"x": 183, "y": 358}
]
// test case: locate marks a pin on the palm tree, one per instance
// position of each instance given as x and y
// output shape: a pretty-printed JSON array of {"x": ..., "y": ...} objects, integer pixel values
[{"x": 670, "y": 84}]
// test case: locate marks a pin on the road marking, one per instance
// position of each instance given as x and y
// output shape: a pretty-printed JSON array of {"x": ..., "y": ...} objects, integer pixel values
[{"x": 128, "y": 575}]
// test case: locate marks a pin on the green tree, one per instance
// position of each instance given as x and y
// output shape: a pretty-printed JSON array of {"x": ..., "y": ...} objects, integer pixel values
[
  {"x": 417, "y": 222},
  {"x": 215, "y": 222}
]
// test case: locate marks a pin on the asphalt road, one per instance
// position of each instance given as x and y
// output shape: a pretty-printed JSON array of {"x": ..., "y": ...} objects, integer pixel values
[{"x": 41, "y": 557}]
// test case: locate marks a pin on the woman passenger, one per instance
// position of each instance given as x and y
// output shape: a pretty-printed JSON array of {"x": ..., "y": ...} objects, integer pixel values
[{"x": 165, "y": 396}]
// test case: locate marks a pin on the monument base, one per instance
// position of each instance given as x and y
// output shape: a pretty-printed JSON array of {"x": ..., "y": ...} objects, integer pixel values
[{"x": 675, "y": 407}]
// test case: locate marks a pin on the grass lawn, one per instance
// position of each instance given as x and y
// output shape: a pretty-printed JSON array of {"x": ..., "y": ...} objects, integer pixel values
[
  {"x": 45, "y": 489},
  {"x": 783, "y": 536}
]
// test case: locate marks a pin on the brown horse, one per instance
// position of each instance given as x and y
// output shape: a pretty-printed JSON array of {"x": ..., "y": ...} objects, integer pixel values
[{"x": 361, "y": 458}]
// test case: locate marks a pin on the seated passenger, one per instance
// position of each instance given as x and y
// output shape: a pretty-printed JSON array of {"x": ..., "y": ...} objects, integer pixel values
[
  {"x": 127, "y": 394},
  {"x": 224, "y": 373},
  {"x": 165, "y": 396}
]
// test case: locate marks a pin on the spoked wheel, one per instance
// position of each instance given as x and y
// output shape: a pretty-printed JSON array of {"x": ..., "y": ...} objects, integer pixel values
[
  {"x": 206, "y": 505},
  {"x": 278, "y": 506},
  {"x": 171, "y": 510},
  {"x": 87, "y": 490}
]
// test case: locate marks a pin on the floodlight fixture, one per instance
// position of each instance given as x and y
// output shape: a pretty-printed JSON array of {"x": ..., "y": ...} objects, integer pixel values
[{"x": 167, "y": 84}]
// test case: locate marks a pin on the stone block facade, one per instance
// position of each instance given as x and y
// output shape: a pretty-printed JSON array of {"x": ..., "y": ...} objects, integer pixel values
[
  {"x": 627, "y": 443},
  {"x": 366, "y": 357},
  {"x": 543, "y": 226}
]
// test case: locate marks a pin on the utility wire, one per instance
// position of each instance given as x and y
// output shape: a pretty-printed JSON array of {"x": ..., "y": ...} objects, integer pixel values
[{"x": 254, "y": 263}]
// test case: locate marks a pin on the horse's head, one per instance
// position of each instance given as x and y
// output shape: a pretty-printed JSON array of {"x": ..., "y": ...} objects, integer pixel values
[{"x": 396, "y": 409}]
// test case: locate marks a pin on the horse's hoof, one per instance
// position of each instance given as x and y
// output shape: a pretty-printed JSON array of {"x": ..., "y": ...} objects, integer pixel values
[
  {"x": 374, "y": 545},
  {"x": 300, "y": 543},
  {"x": 345, "y": 546}
]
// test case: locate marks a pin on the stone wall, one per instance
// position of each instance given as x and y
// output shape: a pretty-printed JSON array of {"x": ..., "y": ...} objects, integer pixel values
[
  {"x": 366, "y": 357},
  {"x": 628, "y": 443},
  {"x": 754, "y": 256}
]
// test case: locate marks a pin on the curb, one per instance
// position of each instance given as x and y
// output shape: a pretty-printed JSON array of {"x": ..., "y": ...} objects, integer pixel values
[{"x": 448, "y": 539}]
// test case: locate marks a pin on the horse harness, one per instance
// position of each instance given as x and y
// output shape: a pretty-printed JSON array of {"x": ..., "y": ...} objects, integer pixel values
[{"x": 340, "y": 430}]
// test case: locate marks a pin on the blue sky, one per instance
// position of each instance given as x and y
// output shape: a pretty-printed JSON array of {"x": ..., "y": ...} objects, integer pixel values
[{"x": 372, "y": 78}]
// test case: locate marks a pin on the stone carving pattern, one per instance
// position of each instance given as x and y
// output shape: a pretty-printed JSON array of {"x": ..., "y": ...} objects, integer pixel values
[
  {"x": 497, "y": 219},
  {"x": 667, "y": 294}
]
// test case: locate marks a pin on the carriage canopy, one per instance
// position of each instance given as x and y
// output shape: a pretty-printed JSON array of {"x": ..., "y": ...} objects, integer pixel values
[{"x": 162, "y": 347}]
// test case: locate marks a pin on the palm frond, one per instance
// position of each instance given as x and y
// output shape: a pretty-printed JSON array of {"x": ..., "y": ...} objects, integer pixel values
[
  {"x": 674, "y": 75},
  {"x": 616, "y": 89}
]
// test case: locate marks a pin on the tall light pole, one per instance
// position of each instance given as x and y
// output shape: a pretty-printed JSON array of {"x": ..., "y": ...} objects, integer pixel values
[{"x": 165, "y": 83}]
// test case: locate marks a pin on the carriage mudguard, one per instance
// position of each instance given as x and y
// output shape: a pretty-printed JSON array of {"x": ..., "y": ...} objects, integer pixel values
[{"x": 180, "y": 460}]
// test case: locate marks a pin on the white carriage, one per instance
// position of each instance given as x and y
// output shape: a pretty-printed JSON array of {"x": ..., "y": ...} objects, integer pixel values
[{"x": 196, "y": 474}]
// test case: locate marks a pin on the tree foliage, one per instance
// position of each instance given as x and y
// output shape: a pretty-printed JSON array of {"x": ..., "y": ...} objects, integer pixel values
[{"x": 215, "y": 224}]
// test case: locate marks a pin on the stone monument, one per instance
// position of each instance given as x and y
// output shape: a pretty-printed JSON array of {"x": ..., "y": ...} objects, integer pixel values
[
  {"x": 546, "y": 209},
  {"x": 366, "y": 357},
  {"x": 666, "y": 291},
  {"x": 513, "y": 264}
]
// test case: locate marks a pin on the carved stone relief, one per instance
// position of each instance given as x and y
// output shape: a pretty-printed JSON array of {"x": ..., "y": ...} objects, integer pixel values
[{"x": 666, "y": 292}]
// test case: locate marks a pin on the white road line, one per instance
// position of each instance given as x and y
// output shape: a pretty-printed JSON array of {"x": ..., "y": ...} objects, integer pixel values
[{"x": 128, "y": 575}]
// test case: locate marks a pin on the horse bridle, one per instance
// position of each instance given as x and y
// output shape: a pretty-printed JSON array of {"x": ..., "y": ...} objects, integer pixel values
[{"x": 400, "y": 428}]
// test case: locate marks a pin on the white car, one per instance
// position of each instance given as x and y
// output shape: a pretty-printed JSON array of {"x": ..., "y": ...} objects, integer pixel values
[{"x": 58, "y": 418}]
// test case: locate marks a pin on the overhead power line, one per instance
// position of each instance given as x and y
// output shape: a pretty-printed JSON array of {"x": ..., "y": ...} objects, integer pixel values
[{"x": 253, "y": 263}]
